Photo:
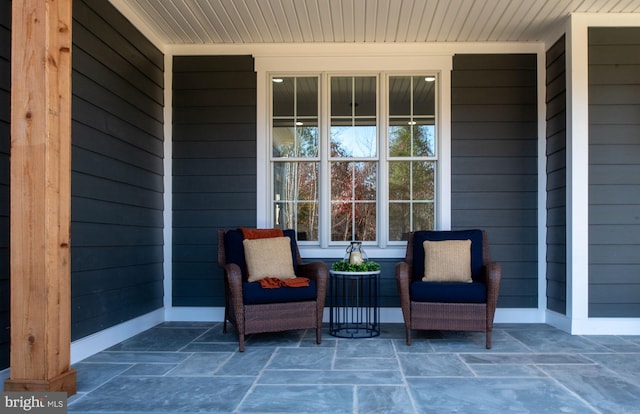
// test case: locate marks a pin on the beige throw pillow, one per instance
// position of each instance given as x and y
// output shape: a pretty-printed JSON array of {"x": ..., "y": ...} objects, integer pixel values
[
  {"x": 270, "y": 257},
  {"x": 447, "y": 261}
]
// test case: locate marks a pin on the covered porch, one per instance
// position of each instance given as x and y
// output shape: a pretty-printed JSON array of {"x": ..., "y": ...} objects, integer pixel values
[{"x": 540, "y": 146}]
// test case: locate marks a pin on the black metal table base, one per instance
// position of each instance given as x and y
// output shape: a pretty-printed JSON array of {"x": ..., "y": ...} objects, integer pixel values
[{"x": 353, "y": 304}]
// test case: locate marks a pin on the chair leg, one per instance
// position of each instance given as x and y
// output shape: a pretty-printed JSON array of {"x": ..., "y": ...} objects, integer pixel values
[
  {"x": 240, "y": 342},
  {"x": 408, "y": 335},
  {"x": 488, "y": 340},
  {"x": 226, "y": 316},
  {"x": 318, "y": 335}
]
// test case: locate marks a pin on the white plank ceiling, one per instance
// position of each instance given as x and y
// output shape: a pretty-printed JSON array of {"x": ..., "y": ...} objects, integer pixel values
[{"x": 194, "y": 22}]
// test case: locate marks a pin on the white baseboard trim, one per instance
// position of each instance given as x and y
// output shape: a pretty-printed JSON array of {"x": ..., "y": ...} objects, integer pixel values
[
  {"x": 194, "y": 314},
  {"x": 519, "y": 315},
  {"x": 558, "y": 320},
  {"x": 606, "y": 326},
  {"x": 99, "y": 341},
  {"x": 387, "y": 315}
]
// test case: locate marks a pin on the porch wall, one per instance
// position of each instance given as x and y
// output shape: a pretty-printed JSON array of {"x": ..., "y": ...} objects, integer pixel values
[
  {"x": 614, "y": 172},
  {"x": 494, "y": 133},
  {"x": 494, "y": 159},
  {"x": 556, "y": 170},
  {"x": 5, "y": 144},
  {"x": 117, "y": 170},
  {"x": 214, "y": 168}
]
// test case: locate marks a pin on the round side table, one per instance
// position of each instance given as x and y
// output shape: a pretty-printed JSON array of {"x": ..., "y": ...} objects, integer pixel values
[{"x": 354, "y": 311}]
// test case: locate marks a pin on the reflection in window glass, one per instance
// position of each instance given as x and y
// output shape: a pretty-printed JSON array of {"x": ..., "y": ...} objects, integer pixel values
[
  {"x": 354, "y": 132},
  {"x": 295, "y": 141},
  {"x": 354, "y": 135},
  {"x": 353, "y": 201},
  {"x": 296, "y": 197},
  {"x": 412, "y": 152},
  {"x": 295, "y": 117}
]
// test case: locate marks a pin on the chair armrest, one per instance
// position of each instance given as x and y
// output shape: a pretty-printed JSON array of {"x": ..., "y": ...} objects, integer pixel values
[
  {"x": 403, "y": 279},
  {"x": 493, "y": 275},
  {"x": 233, "y": 276},
  {"x": 317, "y": 271}
]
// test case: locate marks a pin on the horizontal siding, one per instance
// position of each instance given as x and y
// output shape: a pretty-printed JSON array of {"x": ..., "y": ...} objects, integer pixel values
[
  {"x": 556, "y": 169},
  {"x": 214, "y": 168},
  {"x": 5, "y": 144},
  {"x": 614, "y": 172},
  {"x": 117, "y": 171},
  {"x": 494, "y": 164}
]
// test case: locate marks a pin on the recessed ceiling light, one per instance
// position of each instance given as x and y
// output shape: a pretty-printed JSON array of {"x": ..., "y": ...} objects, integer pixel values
[{"x": 430, "y": 78}]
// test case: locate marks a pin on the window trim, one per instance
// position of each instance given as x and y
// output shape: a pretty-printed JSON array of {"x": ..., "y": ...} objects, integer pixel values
[{"x": 385, "y": 63}]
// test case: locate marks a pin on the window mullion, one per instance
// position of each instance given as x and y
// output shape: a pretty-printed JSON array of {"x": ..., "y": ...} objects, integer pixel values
[
  {"x": 324, "y": 229},
  {"x": 383, "y": 158}
]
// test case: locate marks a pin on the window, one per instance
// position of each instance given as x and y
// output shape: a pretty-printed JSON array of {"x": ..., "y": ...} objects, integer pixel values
[{"x": 353, "y": 157}]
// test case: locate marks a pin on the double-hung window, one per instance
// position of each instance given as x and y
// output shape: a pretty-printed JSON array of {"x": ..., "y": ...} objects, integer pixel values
[{"x": 353, "y": 157}]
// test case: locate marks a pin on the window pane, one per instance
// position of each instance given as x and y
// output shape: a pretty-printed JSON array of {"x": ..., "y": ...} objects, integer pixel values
[
  {"x": 423, "y": 132},
  {"x": 307, "y": 97},
  {"x": 411, "y": 116},
  {"x": 400, "y": 137},
  {"x": 307, "y": 226},
  {"x": 353, "y": 221},
  {"x": 296, "y": 197},
  {"x": 399, "y": 221},
  {"x": 365, "y": 92},
  {"x": 291, "y": 140},
  {"x": 353, "y": 117},
  {"x": 424, "y": 95},
  {"x": 399, "y": 95},
  {"x": 341, "y": 221},
  {"x": 400, "y": 180},
  {"x": 353, "y": 141},
  {"x": 353, "y": 200},
  {"x": 423, "y": 216},
  {"x": 283, "y": 97},
  {"x": 295, "y": 117},
  {"x": 423, "y": 180}
]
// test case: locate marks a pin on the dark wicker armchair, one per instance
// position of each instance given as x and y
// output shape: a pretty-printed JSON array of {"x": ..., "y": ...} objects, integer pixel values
[
  {"x": 253, "y": 309},
  {"x": 452, "y": 306}
]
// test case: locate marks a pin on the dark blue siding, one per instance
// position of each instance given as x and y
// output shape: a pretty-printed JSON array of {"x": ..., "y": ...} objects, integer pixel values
[
  {"x": 494, "y": 164},
  {"x": 214, "y": 167},
  {"x": 556, "y": 151},
  {"x": 614, "y": 172},
  {"x": 117, "y": 171}
]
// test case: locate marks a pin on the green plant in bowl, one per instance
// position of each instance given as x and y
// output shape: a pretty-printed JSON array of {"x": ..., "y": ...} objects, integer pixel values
[{"x": 366, "y": 266}]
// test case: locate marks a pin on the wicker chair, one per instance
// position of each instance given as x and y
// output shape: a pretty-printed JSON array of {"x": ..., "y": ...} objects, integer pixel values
[
  {"x": 252, "y": 309},
  {"x": 452, "y": 306}
]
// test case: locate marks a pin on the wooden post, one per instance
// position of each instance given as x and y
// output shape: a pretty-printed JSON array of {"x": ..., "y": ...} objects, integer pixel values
[{"x": 41, "y": 197}]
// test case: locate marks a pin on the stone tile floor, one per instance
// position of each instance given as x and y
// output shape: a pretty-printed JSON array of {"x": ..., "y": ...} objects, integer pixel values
[{"x": 195, "y": 368}]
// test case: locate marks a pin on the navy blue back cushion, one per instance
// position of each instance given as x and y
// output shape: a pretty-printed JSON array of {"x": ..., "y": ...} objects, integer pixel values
[
  {"x": 234, "y": 249},
  {"x": 476, "y": 249}
]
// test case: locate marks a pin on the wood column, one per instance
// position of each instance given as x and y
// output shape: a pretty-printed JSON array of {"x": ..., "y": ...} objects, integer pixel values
[{"x": 41, "y": 197}]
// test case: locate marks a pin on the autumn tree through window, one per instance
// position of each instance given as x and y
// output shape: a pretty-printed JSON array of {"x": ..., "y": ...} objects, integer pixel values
[{"x": 363, "y": 170}]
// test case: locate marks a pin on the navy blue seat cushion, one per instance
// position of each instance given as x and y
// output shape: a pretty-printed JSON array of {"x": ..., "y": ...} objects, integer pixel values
[
  {"x": 448, "y": 292},
  {"x": 254, "y": 294},
  {"x": 476, "y": 250},
  {"x": 234, "y": 249}
]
